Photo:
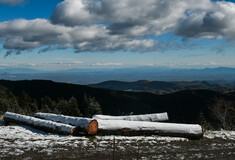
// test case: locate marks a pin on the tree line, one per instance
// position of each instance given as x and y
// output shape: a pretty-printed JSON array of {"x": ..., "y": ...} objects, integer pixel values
[{"x": 24, "y": 104}]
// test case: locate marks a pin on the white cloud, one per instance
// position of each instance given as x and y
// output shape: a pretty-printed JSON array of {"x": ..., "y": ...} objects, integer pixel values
[
  {"x": 24, "y": 34},
  {"x": 212, "y": 63},
  {"x": 11, "y": 2},
  {"x": 110, "y": 25},
  {"x": 107, "y": 64},
  {"x": 214, "y": 23},
  {"x": 4, "y": 65},
  {"x": 126, "y": 17},
  {"x": 77, "y": 62}
]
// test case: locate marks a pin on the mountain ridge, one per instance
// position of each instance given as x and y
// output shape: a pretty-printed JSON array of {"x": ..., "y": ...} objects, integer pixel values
[
  {"x": 162, "y": 87},
  {"x": 91, "y": 76}
]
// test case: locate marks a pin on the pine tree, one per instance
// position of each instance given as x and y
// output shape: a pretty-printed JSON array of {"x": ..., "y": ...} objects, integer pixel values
[
  {"x": 47, "y": 104},
  {"x": 62, "y": 106},
  {"x": 34, "y": 106},
  {"x": 8, "y": 101},
  {"x": 202, "y": 121},
  {"x": 73, "y": 107},
  {"x": 27, "y": 104},
  {"x": 90, "y": 106}
]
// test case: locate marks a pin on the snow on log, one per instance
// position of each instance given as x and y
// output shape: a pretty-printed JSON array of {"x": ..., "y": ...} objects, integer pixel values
[
  {"x": 155, "y": 117},
  {"x": 135, "y": 128},
  {"x": 44, "y": 125},
  {"x": 83, "y": 125},
  {"x": 126, "y": 128}
]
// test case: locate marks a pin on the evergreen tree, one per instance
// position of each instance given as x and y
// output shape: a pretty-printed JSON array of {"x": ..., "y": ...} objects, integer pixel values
[
  {"x": 47, "y": 104},
  {"x": 27, "y": 104},
  {"x": 90, "y": 106},
  {"x": 62, "y": 106},
  {"x": 34, "y": 106},
  {"x": 8, "y": 101},
  {"x": 203, "y": 122},
  {"x": 73, "y": 107},
  {"x": 24, "y": 102}
]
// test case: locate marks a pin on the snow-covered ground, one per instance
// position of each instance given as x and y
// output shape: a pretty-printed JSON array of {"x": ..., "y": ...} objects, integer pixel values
[
  {"x": 26, "y": 142},
  {"x": 220, "y": 134}
]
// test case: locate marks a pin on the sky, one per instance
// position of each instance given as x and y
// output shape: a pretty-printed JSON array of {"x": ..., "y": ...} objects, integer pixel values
[{"x": 65, "y": 34}]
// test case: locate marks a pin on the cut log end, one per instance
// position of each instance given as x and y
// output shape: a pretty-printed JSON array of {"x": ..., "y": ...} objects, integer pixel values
[
  {"x": 73, "y": 131},
  {"x": 92, "y": 128}
]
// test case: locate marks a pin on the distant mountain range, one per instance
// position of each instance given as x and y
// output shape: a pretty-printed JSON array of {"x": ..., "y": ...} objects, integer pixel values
[
  {"x": 162, "y": 87},
  {"x": 19, "y": 70},
  {"x": 222, "y": 75}
]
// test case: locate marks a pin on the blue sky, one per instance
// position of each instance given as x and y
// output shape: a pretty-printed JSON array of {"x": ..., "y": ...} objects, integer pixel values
[{"x": 56, "y": 34}]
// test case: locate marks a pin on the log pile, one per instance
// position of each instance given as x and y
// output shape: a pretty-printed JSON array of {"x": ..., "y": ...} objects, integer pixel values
[{"x": 108, "y": 125}]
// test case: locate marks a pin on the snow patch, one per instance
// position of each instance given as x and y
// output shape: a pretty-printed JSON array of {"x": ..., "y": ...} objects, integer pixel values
[
  {"x": 220, "y": 134},
  {"x": 140, "y": 138},
  {"x": 20, "y": 139}
]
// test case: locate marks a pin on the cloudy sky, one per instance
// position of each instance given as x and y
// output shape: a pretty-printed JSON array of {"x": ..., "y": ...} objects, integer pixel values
[{"x": 63, "y": 34}]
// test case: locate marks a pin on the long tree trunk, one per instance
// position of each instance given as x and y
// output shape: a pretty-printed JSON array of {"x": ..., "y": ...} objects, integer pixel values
[
  {"x": 136, "y": 128},
  {"x": 44, "y": 125},
  {"x": 83, "y": 125},
  {"x": 155, "y": 117},
  {"x": 127, "y": 128}
]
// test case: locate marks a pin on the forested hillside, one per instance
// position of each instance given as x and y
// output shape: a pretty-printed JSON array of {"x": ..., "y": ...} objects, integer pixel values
[
  {"x": 163, "y": 87},
  {"x": 189, "y": 106}
]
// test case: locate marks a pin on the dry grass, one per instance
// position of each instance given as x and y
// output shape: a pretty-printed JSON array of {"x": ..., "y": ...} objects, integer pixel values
[{"x": 141, "y": 149}]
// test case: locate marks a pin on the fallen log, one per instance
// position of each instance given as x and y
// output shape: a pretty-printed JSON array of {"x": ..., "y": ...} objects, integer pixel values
[
  {"x": 86, "y": 126},
  {"x": 155, "y": 117},
  {"x": 136, "y": 128},
  {"x": 40, "y": 124},
  {"x": 127, "y": 128}
]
